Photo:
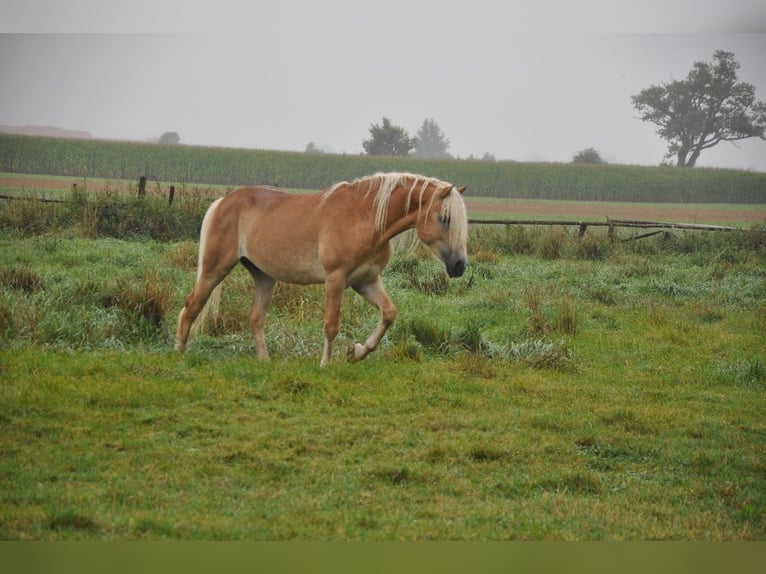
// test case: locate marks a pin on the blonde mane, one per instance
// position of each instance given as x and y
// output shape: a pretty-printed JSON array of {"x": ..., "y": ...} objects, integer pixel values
[{"x": 383, "y": 185}]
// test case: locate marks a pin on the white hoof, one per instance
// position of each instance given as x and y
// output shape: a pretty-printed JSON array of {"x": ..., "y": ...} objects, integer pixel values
[{"x": 357, "y": 353}]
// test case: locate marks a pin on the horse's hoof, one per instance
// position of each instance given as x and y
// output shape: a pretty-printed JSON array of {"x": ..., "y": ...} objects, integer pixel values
[{"x": 356, "y": 353}]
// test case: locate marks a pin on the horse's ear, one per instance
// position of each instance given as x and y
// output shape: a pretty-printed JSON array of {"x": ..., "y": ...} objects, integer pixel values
[{"x": 447, "y": 190}]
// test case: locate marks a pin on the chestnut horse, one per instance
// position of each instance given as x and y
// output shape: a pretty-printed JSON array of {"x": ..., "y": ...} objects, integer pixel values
[{"x": 340, "y": 237}]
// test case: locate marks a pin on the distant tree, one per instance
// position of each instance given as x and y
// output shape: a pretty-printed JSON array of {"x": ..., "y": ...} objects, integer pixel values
[
  {"x": 170, "y": 138},
  {"x": 588, "y": 155},
  {"x": 311, "y": 147},
  {"x": 388, "y": 139},
  {"x": 705, "y": 109},
  {"x": 430, "y": 142},
  {"x": 488, "y": 157}
]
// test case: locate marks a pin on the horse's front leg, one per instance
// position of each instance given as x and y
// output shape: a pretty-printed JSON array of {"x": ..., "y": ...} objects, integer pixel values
[
  {"x": 334, "y": 286},
  {"x": 375, "y": 295}
]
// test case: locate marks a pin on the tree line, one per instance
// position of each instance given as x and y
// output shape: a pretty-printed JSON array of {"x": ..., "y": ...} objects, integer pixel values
[{"x": 706, "y": 108}]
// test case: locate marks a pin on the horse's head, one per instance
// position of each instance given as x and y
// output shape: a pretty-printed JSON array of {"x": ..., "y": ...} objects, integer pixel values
[{"x": 443, "y": 226}]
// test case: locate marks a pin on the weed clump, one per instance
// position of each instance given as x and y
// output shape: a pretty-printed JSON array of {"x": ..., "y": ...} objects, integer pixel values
[
  {"x": 144, "y": 306},
  {"x": 420, "y": 275},
  {"x": 20, "y": 279},
  {"x": 542, "y": 354},
  {"x": 432, "y": 336},
  {"x": 564, "y": 320},
  {"x": 551, "y": 244},
  {"x": 593, "y": 248}
]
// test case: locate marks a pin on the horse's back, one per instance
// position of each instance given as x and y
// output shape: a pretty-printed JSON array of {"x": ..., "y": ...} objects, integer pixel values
[{"x": 259, "y": 196}]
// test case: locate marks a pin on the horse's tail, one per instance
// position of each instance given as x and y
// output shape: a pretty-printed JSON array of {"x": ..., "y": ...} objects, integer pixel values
[
  {"x": 214, "y": 301},
  {"x": 212, "y": 306}
]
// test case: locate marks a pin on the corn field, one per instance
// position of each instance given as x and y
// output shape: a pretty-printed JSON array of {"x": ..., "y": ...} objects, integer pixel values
[{"x": 505, "y": 179}]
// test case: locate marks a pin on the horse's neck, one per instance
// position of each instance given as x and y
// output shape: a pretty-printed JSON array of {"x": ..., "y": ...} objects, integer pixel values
[{"x": 403, "y": 210}]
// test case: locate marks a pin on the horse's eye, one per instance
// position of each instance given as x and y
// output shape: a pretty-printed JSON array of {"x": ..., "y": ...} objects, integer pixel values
[{"x": 444, "y": 220}]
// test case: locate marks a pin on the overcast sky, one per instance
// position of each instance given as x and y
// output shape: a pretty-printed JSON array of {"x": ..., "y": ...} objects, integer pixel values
[{"x": 536, "y": 80}]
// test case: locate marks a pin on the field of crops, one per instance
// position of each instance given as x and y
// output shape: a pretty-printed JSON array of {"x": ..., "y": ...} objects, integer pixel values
[{"x": 236, "y": 167}]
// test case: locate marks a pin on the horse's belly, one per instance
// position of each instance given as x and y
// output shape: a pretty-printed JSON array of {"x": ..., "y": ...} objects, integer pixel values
[
  {"x": 294, "y": 268},
  {"x": 281, "y": 252},
  {"x": 299, "y": 277}
]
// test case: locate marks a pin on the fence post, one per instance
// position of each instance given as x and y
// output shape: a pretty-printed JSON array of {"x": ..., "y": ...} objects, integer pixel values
[
  {"x": 171, "y": 194},
  {"x": 142, "y": 186}
]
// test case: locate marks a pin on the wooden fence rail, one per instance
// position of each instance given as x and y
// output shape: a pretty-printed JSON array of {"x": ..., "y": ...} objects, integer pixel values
[
  {"x": 611, "y": 223},
  {"x": 583, "y": 225}
]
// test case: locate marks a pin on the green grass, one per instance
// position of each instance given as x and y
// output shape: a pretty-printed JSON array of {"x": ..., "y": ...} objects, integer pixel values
[{"x": 553, "y": 392}]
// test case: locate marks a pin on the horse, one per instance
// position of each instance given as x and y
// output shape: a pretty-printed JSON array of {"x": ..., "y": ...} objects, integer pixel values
[{"x": 340, "y": 237}]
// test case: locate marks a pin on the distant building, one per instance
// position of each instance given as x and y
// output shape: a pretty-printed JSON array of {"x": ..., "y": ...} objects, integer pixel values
[{"x": 46, "y": 131}]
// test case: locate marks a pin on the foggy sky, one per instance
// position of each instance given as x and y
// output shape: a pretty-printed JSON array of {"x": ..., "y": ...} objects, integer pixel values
[{"x": 520, "y": 80}]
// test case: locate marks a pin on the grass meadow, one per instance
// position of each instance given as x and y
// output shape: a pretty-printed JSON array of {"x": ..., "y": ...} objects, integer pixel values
[{"x": 562, "y": 389}]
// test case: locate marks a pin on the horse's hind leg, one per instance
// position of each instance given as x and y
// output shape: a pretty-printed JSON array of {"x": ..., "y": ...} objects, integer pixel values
[
  {"x": 375, "y": 295},
  {"x": 215, "y": 267},
  {"x": 264, "y": 292},
  {"x": 195, "y": 303}
]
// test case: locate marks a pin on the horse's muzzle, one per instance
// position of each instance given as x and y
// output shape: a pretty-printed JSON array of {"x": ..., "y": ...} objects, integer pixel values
[
  {"x": 454, "y": 259},
  {"x": 456, "y": 267}
]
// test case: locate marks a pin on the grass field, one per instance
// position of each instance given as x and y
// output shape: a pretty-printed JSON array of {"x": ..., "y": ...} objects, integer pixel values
[{"x": 562, "y": 389}]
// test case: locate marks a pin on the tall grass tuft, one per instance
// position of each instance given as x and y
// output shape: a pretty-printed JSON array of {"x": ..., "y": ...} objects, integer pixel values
[
  {"x": 144, "y": 306},
  {"x": 538, "y": 323},
  {"x": 593, "y": 247},
  {"x": 566, "y": 321},
  {"x": 28, "y": 216},
  {"x": 541, "y": 354},
  {"x": 471, "y": 338},
  {"x": 20, "y": 279},
  {"x": 299, "y": 301},
  {"x": 551, "y": 244},
  {"x": 421, "y": 274},
  {"x": 105, "y": 213},
  {"x": 431, "y": 335}
]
